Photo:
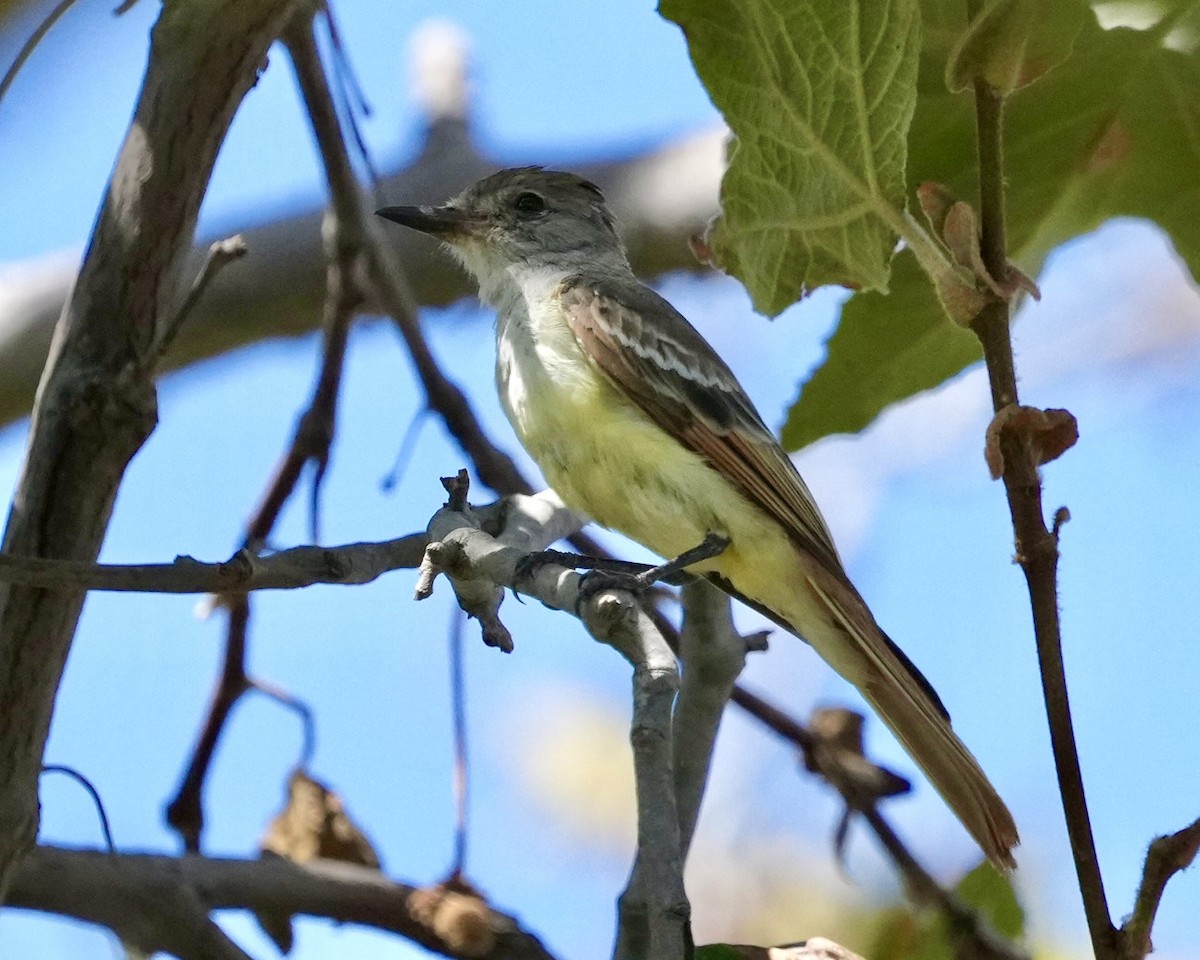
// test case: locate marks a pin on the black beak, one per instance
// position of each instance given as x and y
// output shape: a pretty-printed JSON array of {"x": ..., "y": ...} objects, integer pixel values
[{"x": 445, "y": 223}]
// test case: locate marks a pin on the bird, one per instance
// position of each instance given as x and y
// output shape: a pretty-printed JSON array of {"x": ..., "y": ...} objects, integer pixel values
[{"x": 637, "y": 422}]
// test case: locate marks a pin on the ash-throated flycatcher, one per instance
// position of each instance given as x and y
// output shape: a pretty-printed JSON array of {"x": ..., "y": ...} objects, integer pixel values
[{"x": 636, "y": 422}]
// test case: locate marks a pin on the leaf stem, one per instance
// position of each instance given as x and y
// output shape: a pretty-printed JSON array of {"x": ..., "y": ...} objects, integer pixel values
[{"x": 1036, "y": 546}]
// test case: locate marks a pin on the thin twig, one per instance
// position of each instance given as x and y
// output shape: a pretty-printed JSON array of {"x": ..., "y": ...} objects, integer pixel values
[
  {"x": 970, "y": 936},
  {"x": 343, "y": 244},
  {"x": 244, "y": 572},
  {"x": 185, "y": 813},
  {"x": 1037, "y": 547},
  {"x": 351, "y": 97},
  {"x": 1166, "y": 857},
  {"x": 308, "y": 723},
  {"x": 101, "y": 813},
  {"x": 404, "y": 452},
  {"x": 219, "y": 254},
  {"x": 30, "y": 45}
]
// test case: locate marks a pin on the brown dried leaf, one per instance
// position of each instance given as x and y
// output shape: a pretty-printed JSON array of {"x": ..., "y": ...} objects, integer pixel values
[
  {"x": 838, "y": 756},
  {"x": 314, "y": 824},
  {"x": 459, "y": 915},
  {"x": 956, "y": 224},
  {"x": 1046, "y": 434}
]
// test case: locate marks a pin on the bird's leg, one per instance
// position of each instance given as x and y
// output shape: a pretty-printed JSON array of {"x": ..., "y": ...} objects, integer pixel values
[
  {"x": 528, "y": 565},
  {"x": 712, "y": 545},
  {"x": 673, "y": 571}
]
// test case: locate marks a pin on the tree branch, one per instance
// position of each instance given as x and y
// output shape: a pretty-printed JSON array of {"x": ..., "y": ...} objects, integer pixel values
[
  {"x": 663, "y": 196},
  {"x": 1166, "y": 857},
  {"x": 1036, "y": 546},
  {"x": 712, "y": 654},
  {"x": 849, "y": 774},
  {"x": 653, "y": 911},
  {"x": 162, "y": 903},
  {"x": 244, "y": 572},
  {"x": 96, "y": 404}
]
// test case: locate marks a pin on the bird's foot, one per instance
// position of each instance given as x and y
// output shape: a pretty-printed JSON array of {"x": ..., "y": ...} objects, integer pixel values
[
  {"x": 597, "y": 581},
  {"x": 637, "y": 578}
]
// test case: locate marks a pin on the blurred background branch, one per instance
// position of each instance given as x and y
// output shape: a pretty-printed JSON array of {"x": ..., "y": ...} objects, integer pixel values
[{"x": 663, "y": 196}]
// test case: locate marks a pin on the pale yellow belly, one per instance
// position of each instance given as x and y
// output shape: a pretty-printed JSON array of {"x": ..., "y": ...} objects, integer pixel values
[{"x": 607, "y": 459}]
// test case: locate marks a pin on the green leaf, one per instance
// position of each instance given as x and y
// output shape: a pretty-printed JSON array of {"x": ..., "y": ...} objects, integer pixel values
[
  {"x": 819, "y": 94},
  {"x": 717, "y": 951},
  {"x": 885, "y": 348},
  {"x": 992, "y": 894},
  {"x": 1113, "y": 131},
  {"x": 1010, "y": 43},
  {"x": 1150, "y": 152}
]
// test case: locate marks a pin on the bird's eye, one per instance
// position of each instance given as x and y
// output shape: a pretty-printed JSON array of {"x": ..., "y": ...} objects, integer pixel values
[{"x": 529, "y": 204}]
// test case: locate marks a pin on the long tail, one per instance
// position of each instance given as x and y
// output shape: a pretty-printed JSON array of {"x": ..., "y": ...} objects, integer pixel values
[
  {"x": 906, "y": 702},
  {"x": 832, "y": 617}
]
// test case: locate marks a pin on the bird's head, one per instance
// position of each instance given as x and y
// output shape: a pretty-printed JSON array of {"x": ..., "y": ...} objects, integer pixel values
[{"x": 525, "y": 216}]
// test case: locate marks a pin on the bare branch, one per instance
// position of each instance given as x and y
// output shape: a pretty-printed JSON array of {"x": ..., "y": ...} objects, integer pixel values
[
  {"x": 712, "y": 653},
  {"x": 1036, "y": 546},
  {"x": 849, "y": 773},
  {"x": 1166, "y": 857},
  {"x": 219, "y": 254},
  {"x": 314, "y": 433},
  {"x": 653, "y": 910},
  {"x": 32, "y": 42},
  {"x": 185, "y": 812},
  {"x": 244, "y": 572},
  {"x": 663, "y": 197},
  {"x": 162, "y": 903}
]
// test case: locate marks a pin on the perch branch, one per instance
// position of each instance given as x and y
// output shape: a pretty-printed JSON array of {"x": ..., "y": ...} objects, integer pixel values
[
  {"x": 653, "y": 911},
  {"x": 712, "y": 654}
]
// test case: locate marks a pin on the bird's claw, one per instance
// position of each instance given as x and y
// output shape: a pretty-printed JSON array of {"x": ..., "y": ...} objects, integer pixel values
[
  {"x": 528, "y": 565},
  {"x": 597, "y": 581}
]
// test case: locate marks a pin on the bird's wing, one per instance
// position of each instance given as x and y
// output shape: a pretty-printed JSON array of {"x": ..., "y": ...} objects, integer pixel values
[{"x": 656, "y": 358}]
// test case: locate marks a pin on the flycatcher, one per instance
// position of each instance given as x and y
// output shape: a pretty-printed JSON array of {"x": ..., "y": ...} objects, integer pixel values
[{"x": 636, "y": 422}]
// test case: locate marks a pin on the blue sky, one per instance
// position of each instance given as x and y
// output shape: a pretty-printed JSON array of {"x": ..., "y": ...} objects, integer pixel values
[{"x": 926, "y": 536}]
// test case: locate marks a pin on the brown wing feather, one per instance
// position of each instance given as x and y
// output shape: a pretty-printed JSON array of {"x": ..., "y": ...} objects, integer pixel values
[{"x": 656, "y": 358}]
